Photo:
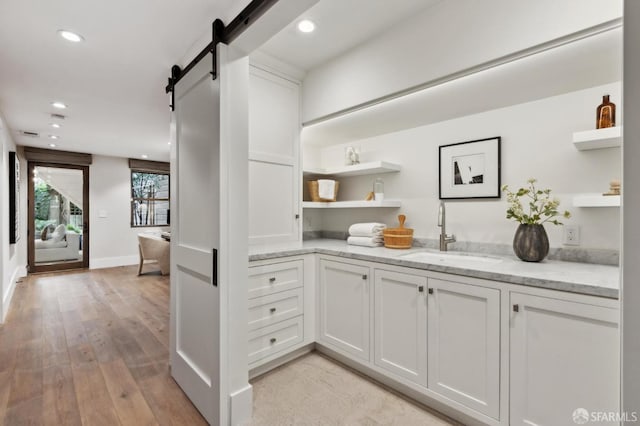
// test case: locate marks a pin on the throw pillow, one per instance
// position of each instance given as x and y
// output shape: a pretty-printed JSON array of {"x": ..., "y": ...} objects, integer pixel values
[{"x": 59, "y": 233}]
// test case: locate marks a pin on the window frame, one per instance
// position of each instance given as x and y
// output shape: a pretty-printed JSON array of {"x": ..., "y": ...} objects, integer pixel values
[{"x": 134, "y": 198}]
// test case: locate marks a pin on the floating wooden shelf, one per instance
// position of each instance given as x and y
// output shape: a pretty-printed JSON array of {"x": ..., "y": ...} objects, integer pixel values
[
  {"x": 372, "y": 168},
  {"x": 610, "y": 137},
  {"x": 351, "y": 204},
  {"x": 596, "y": 200}
]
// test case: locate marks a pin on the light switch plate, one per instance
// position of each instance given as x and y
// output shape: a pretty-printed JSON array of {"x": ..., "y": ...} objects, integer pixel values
[{"x": 571, "y": 235}]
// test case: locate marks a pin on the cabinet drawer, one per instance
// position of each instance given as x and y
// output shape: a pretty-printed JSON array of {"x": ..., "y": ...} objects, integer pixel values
[
  {"x": 269, "y": 279},
  {"x": 270, "y": 309},
  {"x": 275, "y": 338}
]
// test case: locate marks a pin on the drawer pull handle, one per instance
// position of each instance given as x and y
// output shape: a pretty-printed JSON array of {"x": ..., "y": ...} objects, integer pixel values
[
  {"x": 516, "y": 308},
  {"x": 430, "y": 291},
  {"x": 272, "y": 340},
  {"x": 272, "y": 279},
  {"x": 421, "y": 288},
  {"x": 364, "y": 277},
  {"x": 272, "y": 310}
]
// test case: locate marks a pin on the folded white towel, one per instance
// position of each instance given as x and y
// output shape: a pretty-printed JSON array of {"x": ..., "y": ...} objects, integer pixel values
[
  {"x": 326, "y": 188},
  {"x": 366, "y": 229},
  {"x": 365, "y": 241}
]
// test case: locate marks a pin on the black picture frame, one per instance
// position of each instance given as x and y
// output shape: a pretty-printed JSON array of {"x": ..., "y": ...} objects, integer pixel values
[
  {"x": 470, "y": 170},
  {"x": 14, "y": 198}
]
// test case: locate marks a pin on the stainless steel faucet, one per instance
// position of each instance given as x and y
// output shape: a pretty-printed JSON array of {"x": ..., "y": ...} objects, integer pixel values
[{"x": 444, "y": 238}]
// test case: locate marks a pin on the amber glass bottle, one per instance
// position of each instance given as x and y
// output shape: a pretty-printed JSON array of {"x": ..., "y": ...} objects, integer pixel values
[{"x": 606, "y": 114}]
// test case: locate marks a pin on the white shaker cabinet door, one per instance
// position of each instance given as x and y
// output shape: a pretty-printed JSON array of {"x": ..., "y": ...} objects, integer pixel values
[
  {"x": 564, "y": 357},
  {"x": 401, "y": 324},
  {"x": 464, "y": 344},
  {"x": 344, "y": 303}
]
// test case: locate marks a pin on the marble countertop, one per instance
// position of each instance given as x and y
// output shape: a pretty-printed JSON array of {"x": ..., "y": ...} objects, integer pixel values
[{"x": 582, "y": 278}]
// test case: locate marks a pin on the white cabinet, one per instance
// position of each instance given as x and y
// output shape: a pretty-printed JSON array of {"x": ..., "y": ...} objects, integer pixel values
[
  {"x": 464, "y": 344},
  {"x": 275, "y": 309},
  {"x": 274, "y": 163},
  {"x": 564, "y": 356},
  {"x": 401, "y": 324},
  {"x": 344, "y": 306}
]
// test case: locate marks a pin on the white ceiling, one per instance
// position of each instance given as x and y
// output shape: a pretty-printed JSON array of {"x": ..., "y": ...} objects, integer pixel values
[
  {"x": 340, "y": 26},
  {"x": 114, "y": 82}
]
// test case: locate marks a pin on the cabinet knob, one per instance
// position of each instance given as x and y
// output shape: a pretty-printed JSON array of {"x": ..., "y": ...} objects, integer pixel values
[
  {"x": 421, "y": 289},
  {"x": 430, "y": 291},
  {"x": 516, "y": 308},
  {"x": 364, "y": 276},
  {"x": 272, "y": 279},
  {"x": 272, "y": 310},
  {"x": 272, "y": 340},
  {"x": 297, "y": 216}
]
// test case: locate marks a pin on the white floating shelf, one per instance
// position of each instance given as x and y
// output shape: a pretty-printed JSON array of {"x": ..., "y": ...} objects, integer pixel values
[
  {"x": 596, "y": 200},
  {"x": 371, "y": 168},
  {"x": 350, "y": 204},
  {"x": 610, "y": 137}
]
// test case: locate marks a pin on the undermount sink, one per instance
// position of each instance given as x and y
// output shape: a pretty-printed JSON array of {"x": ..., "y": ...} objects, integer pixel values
[{"x": 458, "y": 258}]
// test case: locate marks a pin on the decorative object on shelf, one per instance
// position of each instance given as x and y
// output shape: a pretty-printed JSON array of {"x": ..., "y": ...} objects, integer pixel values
[
  {"x": 614, "y": 187},
  {"x": 530, "y": 242},
  {"x": 369, "y": 196},
  {"x": 378, "y": 189},
  {"x": 398, "y": 238},
  {"x": 14, "y": 198},
  {"x": 314, "y": 190},
  {"x": 351, "y": 155},
  {"x": 606, "y": 113},
  {"x": 470, "y": 169}
]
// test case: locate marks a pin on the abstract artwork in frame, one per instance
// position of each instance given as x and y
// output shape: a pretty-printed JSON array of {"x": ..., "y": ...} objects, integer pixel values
[
  {"x": 14, "y": 198},
  {"x": 470, "y": 169}
]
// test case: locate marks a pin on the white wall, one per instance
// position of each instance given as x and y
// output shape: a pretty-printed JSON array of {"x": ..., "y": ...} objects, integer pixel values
[
  {"x": 113, "y": 241},
  {"x": 446, "y": 38},
  {"x": 14, "y": 256},
  {"x": 536, "y": 142}
]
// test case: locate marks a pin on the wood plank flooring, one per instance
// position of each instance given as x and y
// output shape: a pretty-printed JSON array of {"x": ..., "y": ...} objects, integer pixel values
[{"x": 90, "y": 348}]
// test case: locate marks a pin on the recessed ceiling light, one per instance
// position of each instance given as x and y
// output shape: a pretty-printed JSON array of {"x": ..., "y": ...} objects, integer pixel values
[
  {"x": 52, "y": 145},
  {"x": 306, "y": 26},
  {"x": 53, "y": 137},
  {"x": 70, "y": 36},
  {"x": 144, "y": 156},
  {"x": 55, "y": 125},
  {"x": 59, "y": 105}
]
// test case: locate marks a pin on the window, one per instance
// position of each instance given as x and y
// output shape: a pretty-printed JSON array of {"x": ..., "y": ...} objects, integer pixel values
[{"x": 149, "y": 198}]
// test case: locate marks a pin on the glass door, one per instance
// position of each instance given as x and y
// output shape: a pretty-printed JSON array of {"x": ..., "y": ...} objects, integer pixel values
[{"x": 58, "y": 217}]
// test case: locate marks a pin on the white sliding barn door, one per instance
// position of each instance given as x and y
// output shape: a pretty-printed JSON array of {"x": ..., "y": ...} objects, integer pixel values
[{"x": 208, "y": 199}]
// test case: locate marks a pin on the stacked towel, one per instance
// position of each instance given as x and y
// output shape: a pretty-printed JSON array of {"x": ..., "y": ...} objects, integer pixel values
[{"x": 366, "y": 234}]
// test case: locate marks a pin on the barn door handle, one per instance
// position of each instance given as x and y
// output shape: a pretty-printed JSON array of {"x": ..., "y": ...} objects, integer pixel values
[{"x": 214, "y": 271}]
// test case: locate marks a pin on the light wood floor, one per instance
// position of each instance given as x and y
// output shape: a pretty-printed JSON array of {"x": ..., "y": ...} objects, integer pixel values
[{"x": 91, "y": 348}]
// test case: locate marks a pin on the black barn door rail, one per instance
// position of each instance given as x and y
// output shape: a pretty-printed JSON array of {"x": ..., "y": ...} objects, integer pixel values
[{"x": 220, "y": 34}]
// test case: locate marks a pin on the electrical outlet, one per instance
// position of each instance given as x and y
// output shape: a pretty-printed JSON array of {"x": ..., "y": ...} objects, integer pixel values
[{"x": 571, "y": 235}]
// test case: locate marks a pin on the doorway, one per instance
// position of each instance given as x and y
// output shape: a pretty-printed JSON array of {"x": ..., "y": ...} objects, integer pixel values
[{"x": 58, "y": 215}]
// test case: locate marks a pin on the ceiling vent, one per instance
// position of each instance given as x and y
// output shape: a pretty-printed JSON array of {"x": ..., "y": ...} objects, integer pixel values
[
  {"x": 58, "y": 116},
  {"x": 29, "y": 134}
]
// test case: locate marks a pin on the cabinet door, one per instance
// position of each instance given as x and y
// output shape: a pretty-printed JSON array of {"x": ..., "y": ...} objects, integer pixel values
[
  {"x": 274, "y": 172},
  {"x": 344, "y": 307},
  {"x": 564, "y": 356},
  {"x": 464, "y": 344},
  {"x": 401, "y": 324}
]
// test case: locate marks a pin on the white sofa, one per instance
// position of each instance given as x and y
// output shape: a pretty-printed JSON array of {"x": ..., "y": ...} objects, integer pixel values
[{"x": 68, "y": 248}]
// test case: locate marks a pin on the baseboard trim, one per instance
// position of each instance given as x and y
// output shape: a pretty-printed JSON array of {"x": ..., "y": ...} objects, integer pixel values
[
  {"x": 111, "y": 262},
  {"x": 241, "y": 405},
  {"x": 19, "y": 272}
]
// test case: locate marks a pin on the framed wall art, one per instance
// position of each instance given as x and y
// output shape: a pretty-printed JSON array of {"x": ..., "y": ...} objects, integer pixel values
[
  {"x": 470, "y": 169},
  {"x": 14, "y": 198}
]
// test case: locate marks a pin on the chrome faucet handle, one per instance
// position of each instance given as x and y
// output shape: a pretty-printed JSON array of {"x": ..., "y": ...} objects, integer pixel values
[{"x": 441, "y": 213}]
